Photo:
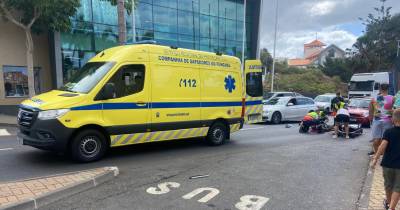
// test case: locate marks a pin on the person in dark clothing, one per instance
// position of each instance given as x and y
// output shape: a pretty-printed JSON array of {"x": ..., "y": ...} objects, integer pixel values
[
  {"x": 390, "y": 148},
  {"x": 335, "y": 101}
]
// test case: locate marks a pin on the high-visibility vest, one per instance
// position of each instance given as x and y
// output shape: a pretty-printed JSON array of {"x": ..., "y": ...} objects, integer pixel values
[{"x": 339, "y": 105}]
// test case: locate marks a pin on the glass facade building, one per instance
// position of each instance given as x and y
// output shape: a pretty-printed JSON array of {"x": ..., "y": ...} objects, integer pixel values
[{"x": 207, "y": 25}]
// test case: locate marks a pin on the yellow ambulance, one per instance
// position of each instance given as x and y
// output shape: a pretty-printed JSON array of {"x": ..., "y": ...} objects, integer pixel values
[
  {"x": 140, "y": 93},
  {"x": 253, "y": 77}
]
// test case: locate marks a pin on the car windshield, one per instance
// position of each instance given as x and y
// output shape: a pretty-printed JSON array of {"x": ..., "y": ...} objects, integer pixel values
[
  {"x": 268, "y": 95},
  {"x": 84, "y": 80},
  {"x": 359, "y": 103},
  {"x": 361, "y": 86},
  {"x": 276, "y": 101},
  {"x": 323, "y": 99}
]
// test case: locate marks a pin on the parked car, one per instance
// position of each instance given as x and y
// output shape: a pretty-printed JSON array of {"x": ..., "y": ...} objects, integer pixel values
[
  {"x": 269, "y": 95},
  {"x": 281, "y": 109},
  {"x": 358, "y": 109},
  {"x": 324, "y": 101}
]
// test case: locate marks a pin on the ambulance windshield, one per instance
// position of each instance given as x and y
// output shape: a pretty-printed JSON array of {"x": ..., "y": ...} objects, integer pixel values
[{"x": 84, "y": 80}]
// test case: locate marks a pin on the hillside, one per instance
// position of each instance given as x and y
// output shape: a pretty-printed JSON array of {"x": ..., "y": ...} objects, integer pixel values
[{"x": 310, "y": 82}]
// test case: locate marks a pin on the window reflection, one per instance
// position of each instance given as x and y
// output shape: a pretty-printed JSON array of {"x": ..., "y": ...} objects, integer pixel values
[{"x": 209, "y": 25}]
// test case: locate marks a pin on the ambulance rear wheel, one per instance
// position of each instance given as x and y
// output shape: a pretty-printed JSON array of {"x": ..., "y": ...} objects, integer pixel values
[
  {"x": 217, "y": 134},
  {"x": 88, "y": 145}
]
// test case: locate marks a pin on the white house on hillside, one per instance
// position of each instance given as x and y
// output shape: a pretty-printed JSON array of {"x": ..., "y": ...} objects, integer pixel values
[{"x": 315, "y": 53}]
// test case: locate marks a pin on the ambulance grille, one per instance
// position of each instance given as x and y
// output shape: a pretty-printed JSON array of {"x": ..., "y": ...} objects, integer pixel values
[{"x": 26, "y": 117}]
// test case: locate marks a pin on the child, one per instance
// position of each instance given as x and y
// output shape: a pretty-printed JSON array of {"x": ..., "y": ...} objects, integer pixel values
[{"x": 390, "y": 148}]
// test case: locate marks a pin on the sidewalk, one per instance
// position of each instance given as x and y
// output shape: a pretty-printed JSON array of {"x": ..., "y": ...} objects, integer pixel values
[
  {"x": 8, "y": 120},
  {"x": 377, "y": 194},
  {"x": 37, "y": 192}
]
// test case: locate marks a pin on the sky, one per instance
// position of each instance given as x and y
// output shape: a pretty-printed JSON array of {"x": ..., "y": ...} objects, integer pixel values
[{"x": 301, "y": 21}]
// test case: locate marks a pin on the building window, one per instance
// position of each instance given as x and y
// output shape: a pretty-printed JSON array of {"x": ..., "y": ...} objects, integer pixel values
[
  {"x": 331, "y": 53},
  {"x": 16, "y": 81}
]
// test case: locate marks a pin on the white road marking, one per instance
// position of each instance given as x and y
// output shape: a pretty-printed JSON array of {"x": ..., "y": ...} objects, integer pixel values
[
  {"x": 162, "y": 188},
  {"x": 212, "y": 193},
  {"x": 246, "y": 129},
  {"x": 4, "y": 132},
  {"x": 5, "y": 149},
  {"x": 251, "y": 202}
]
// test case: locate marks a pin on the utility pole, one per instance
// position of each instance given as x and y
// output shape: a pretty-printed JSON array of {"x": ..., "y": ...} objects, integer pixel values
[
  {"x": 398, "y": 48},
  {"x": 260, "y": 18},
  {"x": 273, "y": 61},
  {"x": 133, "y": 22},
  {"x": 244, "y": 33}
]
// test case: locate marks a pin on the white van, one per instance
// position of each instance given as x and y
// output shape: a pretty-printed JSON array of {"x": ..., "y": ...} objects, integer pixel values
[{"x": 367, "y": 84}]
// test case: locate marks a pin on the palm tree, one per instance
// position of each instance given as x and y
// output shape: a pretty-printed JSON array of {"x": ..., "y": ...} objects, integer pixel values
[{"x": 122, "y": 5}]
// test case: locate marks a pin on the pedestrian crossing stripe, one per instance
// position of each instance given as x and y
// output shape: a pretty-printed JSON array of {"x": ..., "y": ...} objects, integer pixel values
[{"x": 4, "y": 132}]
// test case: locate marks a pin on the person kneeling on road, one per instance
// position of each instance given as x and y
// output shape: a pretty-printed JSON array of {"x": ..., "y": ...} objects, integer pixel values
[
  {"x": 390, "y": 148},
  {"x": 342, "y": 116},
  {"x": 311, "y": 119}
]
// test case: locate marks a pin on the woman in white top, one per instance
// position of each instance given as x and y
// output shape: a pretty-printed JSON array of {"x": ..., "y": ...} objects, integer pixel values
[{"x": 342, "y": 116}]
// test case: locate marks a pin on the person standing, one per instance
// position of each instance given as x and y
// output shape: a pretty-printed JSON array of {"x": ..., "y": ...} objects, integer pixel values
[
  {"x": 380, "y": 114},
  {"x": 335, "y": 103},
  {"x": 342, "y": 116},
  {"x": 390, "y": 148},
  {"x": 397, "y": 100}
]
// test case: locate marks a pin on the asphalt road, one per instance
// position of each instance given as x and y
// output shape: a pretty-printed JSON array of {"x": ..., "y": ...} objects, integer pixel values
[{"x": 266, "y": 165}]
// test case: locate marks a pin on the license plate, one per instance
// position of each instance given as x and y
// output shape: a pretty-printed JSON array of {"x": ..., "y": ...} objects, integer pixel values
[
  {"x": 353, "y": 120},
  {"x": 254, "y": 117}
]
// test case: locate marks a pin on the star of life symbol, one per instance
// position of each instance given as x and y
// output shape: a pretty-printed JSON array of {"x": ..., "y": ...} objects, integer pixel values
[{"x": 230, "y": 83}]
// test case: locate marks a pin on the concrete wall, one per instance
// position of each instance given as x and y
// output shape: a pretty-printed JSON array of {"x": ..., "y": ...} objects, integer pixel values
[{"x": 12, "y": 52}]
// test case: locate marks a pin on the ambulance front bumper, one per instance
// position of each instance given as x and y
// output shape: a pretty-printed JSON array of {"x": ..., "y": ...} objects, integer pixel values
[{"x": 45, "y": 134}]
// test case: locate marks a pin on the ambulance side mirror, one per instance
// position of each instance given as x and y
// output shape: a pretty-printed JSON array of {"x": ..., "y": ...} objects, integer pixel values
[{"x": 108, "y": 91}]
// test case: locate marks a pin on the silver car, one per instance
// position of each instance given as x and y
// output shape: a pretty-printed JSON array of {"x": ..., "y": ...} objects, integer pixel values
[{"x": 281, "y": 109}]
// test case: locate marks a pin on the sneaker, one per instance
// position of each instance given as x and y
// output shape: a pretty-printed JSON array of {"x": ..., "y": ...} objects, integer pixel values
[
  {"x": 334, "y": 136},
  {"x": 347, "y": 137},
  {"x": 385, "y": 204},
  {"x": 371, "y": 153}
]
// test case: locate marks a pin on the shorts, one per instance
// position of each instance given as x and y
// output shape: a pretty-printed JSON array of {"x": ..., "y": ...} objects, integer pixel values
[
  {"x": 342, "y": 118},
  {"x": 379, "y": 127},
  {"x": 391, "y": 177}
]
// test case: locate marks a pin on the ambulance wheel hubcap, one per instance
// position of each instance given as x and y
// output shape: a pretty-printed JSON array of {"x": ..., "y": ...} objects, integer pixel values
[
  {"x": 89, "y": 146},
  {"x": 218, "y": 135}
]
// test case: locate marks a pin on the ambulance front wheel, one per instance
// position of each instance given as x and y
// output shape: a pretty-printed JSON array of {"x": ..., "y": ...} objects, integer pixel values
[
  {"x": 88, "y": 145},
  {"x": 217, "y": 134}
]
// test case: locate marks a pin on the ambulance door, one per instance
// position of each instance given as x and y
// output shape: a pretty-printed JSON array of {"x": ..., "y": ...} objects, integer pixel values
[
  {"x": 175, "y": 100},
  {"x": 128, "y": 111},
  {"x": 253, "y": 91}
]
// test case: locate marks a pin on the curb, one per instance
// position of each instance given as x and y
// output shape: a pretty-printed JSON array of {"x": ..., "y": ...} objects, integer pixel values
[
  {"x": 363, "y": 199},
  {"x": 9, "y": 125},
  {"x": 50, "y": 197}
]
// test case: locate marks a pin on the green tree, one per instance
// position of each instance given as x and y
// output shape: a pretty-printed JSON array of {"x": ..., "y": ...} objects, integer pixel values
[
  {"x": 266, "y": 58},
  {"x": 379, "y": 43},
  {"x": 37, "y": 16},
  {"x": 338, "y": 67}
]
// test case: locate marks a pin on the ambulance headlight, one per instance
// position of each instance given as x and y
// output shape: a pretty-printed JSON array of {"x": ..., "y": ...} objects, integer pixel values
[{"x": 52, "y": 114}]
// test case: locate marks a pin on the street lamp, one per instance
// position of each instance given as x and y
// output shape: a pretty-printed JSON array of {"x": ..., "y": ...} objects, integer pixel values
[{"x": 273, "y": 61}]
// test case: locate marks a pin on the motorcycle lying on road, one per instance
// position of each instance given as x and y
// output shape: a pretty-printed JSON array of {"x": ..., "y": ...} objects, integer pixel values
[{"x": 319, "y": 126}]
